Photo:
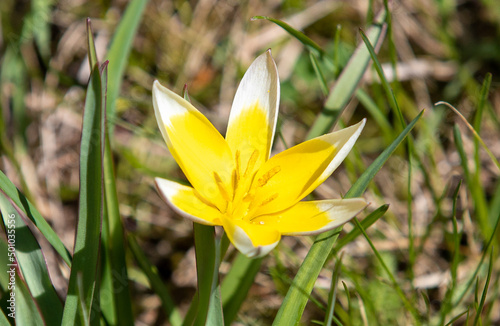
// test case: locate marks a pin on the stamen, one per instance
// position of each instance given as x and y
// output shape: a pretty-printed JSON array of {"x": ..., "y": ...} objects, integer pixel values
[
  {"x": 269, "y": 199},
  {"x": 251, "y": 162},
  {"x": 267, "y": 176},
  {"x": 237, "y": 162},
  {"x": 234, "y": 179},
  {"x": 221, "y": 187},
  {"x": 248, "y": 197}
]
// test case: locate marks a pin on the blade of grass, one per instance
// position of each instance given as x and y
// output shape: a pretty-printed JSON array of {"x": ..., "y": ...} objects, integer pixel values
[
  {"x": 377, "y": 114},
  {"x": 348, "y": 80},
  {"x": 236, "y": 285},
  {"x": 310, "y": 44},
  {"x": 319, "y": 73},
  {"x": 395, "y": 284},
  {"x": 31, "y": 263},
  {"x": 118, "y": 54},
  {"x": 474, "y": 187},
  {"x": 3, "y": 319},
  {"x": 209, "y": 310},
  {"x": 115, "y": 291},
  {"x": 454, "y": 319},
  {"x": 395, "y": 107},
  {"x": 26, "y": 310},
  {"x": 29, "y": 209},
  {"x": 90, "y": 210},
  {"x": 461, "y": 296},
  {"x": 297, "y": 296},
  {"x": 446, "y": 306},
  {"x": 385, "y": 84},
  {"x": 332, "y": 296},
  {"x": 156, "y": 282},
  {"x": 476, "y": 135},
  {"x": 477, "y": 319},
  {"x": 366, "y": 223}
]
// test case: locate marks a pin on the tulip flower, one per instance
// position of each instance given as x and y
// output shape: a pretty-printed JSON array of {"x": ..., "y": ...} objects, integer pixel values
[{"x": 234, "y": 182}]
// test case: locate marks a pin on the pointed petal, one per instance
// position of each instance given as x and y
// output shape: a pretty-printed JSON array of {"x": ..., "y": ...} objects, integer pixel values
[
  {"x": 186, "y": 202},
  {"x": 196, "y": 145},
  {"x": 253, "y": 115},
  {"x": 292, "y": 174},
  {"x": 252, "y": 240},
  {"x": 313, "y": 217}
]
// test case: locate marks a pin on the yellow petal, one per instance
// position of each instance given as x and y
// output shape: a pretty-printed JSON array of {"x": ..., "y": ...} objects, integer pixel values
[
  {"x": 313, "y": 217},
  {"x": 253, "y": 115},
  {"x": 252, "y": 240},
  {"x": 199, "y": 149},
  {"x": 291, "y": 175},
  {"x": 187, "y": 203}
]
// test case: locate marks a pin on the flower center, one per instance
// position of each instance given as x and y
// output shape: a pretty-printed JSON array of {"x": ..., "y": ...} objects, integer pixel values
[{"x": 239, "y": 194}]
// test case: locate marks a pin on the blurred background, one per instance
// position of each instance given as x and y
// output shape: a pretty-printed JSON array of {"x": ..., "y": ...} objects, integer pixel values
[{"x": 442, "y": 51}]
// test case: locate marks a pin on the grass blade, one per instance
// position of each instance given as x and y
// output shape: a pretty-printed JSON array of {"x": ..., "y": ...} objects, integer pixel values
[
  {"x": 29, "y": 209},
  {"x": 366, "y": 223},
  {"x": 236, "y": 285},
  {"x": 297, "y": 296},
  {"x": 310, "y": 44},
  {"x": 156, "y": 282},
  {"x": 348, "y": 80},
  {"x": 115, "y": 291},
  {"x": 330, "y": 309},
  {"x": 476, "y": 135},
  {"x": 485, "y": 291},
  {"x": 118, "y": 54},
  {"x": 26, "y": 310},
  {"x": 207, "y": 268},
  {"x": 31, "y": 263},
  {"x": 81, "y": 300}
]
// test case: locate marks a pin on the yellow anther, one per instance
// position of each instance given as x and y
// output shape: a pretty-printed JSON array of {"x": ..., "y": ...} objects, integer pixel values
[
  {"x": 237, "y": 162},
  {"x": 268, "y": 175},
  {"x": 269, "y": 199},
  {"x": 251, "y": 162},
  {"x": 234, "y": 181},
  {"x": 221, "y": 187}
]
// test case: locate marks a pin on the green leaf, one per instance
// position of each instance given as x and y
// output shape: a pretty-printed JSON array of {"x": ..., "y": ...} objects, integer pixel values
[
  {"x": 118, "y": 54},
  {"x": 310, "y": 44},
  {"x": 26, "y": 310},
  {"x": 366, "y": 223},
  {"x": 485, "y": 291},
  {"x": 116, "y": 301},
  {"x": 156, "y": 282},
  {"x": 91, "y": 51},
  {"x": 297, "y": 296},
  {"x": 237, "y": 283},
  {"x": 31, "y": 262},
  {"x": 330, "y": 309},
  {"x": 209, "y": 309},
  {"x": 385, "y": 84},
  {"x": 348, "y": 80},
  {"x": 29, "y": 209},
  {"x": 81, "y": 299}
]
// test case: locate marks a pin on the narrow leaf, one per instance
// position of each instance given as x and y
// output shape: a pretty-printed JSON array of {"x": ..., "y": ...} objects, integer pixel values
[
  {"x": 156, "y": 282},
  {"x": 31, "y": 263},
  {"x": 87, "y": 241},
  {"x": 310, "y": 44},
  {"x": 207, "y": 269},
  {"x": 29, "y": 209},
  {"x": 236, "y": 285},
  {"x": 119, "y": 52},
  {"x": 348, "y": 80}
]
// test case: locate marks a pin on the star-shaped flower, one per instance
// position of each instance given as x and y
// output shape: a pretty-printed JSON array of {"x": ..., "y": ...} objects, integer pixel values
[{"x": 234, "y": 183}]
